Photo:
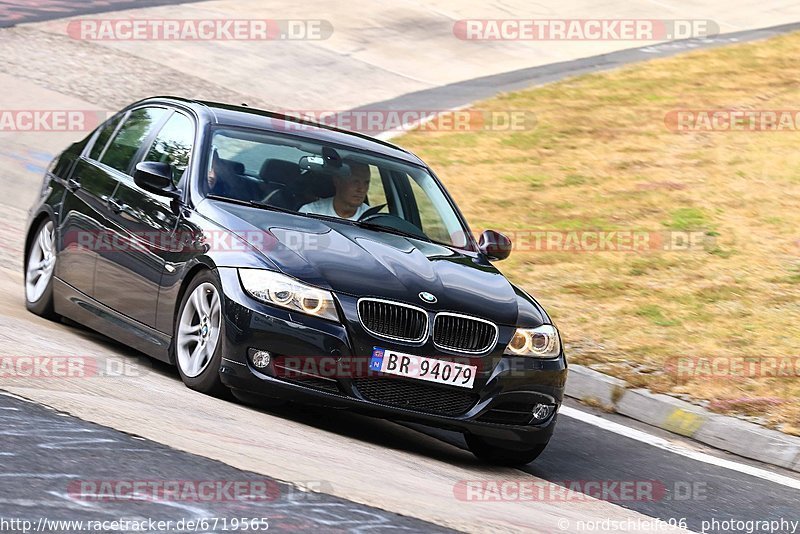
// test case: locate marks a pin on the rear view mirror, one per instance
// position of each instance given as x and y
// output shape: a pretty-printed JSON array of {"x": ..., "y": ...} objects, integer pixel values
[
  {"x": 495, "y": 245},
  {"x": 329, "y": 163},
  {"x": 312, "y": 163}
]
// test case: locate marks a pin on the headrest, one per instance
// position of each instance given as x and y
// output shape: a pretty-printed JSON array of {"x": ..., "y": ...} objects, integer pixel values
[
  {"x": 323, "y": 186},
  {"x": 228, "y": 166},
  {"x": 279, "y": 171}
]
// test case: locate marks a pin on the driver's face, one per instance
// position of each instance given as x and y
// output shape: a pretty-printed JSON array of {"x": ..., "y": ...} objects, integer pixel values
[{"x": 352, "y": 190}]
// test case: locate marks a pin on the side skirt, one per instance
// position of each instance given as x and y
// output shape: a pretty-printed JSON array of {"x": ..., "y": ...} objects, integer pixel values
[{"x": 85, "y": 310}]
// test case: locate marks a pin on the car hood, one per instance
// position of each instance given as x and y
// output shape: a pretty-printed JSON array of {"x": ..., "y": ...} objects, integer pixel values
[{"x": 367, "y": 263}]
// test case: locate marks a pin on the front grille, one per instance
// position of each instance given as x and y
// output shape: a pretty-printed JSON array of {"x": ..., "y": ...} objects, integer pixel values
[
  {"x": 464, "y": 334},
  {"x": 416, "y": 396},
  {"x": 395, "y": 321}
]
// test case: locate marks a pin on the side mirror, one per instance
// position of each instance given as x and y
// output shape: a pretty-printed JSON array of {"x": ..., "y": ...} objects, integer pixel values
[
  {"x": 495, "y": 245},
  {"x": 156, "y": 178}
]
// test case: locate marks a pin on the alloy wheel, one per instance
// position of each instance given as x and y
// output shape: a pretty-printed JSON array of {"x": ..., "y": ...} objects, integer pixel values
[
  {"x": 41, "y": 263},
  {"x": 198, "y": 330}
]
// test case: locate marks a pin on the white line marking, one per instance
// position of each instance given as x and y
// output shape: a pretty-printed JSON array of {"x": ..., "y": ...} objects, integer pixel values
[
  {"x": 662, "y": 443},
  {"x": 388, "y": 135}
]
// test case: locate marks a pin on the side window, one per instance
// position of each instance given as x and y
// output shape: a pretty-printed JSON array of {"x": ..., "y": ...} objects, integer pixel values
[
  {"x": 173, "y": 145},
  {"x": 102, "y": 139},
  {"x": 134, "y": 131}
]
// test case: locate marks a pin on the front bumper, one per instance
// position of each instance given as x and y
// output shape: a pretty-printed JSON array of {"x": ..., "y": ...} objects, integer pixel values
[{"x": 323, "y": 363}]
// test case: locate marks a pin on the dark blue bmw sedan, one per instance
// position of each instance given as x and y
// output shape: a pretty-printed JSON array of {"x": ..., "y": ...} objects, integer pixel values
[{"x": 280, "y": 260}]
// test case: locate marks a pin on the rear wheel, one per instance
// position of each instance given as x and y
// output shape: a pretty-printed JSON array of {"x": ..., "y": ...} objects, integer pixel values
[
  {"x": 40, "y": 266},
  {"x": 199, "y": 329},
  {"x": 502, "y": 453}
]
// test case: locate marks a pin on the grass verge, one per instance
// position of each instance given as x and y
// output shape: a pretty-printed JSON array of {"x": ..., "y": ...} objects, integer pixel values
[{"x": 603, "y": 157}]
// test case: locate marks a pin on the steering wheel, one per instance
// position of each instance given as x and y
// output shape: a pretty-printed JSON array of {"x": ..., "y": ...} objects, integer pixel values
[
  {"x": 372, "y": 211},
  {"x": 391, "y": 221}
]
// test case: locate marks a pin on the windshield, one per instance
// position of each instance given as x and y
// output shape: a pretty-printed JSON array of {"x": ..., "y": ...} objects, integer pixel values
[{"x": 308, "y": 177}]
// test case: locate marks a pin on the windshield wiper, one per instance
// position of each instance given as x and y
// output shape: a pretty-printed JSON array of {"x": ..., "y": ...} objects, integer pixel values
[
  {"x": 392, "y": 230},
  {"x": 253, "y": 203},
  {"x": 264, "y": 205}
]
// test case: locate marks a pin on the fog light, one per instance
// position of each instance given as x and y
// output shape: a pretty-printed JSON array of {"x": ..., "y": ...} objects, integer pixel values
[
  {"x": 542, "y": 412},
  {"x": 261, "y": 359}
]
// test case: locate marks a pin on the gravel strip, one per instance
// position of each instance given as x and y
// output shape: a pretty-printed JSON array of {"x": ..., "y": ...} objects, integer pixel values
[{"x": 100, "y": 75}]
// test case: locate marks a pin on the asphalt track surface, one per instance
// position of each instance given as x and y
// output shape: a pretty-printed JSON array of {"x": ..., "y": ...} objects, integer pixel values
[
  {"x": 55, "y": 455},
  {"x": 48, "y": 450},
  {"x": 20, "y": 11}
]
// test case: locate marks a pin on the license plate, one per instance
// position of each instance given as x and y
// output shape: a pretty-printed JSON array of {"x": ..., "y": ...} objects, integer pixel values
[{"x": 421, "y": 368}]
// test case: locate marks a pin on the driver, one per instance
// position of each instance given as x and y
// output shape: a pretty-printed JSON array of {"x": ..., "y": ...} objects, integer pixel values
[
  {"x": 215, "y": 185},
  {"x": 351, "y": 191}
]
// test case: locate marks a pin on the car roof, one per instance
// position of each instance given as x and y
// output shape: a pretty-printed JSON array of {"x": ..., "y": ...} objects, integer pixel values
[{"x": 247, "y": 117}]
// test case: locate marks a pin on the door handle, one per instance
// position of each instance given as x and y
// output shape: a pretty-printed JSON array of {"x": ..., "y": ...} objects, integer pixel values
[
  {"x": 73, "y": 184},
  {"x": 115, "y": 206},
  {"x": 123, "y": 210}
]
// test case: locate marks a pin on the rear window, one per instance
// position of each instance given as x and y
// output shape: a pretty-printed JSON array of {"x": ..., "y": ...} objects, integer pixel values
[{"x": 102, "y": 139}]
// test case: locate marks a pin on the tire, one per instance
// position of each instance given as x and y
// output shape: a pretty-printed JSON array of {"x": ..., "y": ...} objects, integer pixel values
[
  {"x": 198, "y": 334},
  {"x": 40, "y": 267},
  {"x": 500, "y": 453}
]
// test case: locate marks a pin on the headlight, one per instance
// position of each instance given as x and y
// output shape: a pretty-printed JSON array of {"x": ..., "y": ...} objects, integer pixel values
[
  {"x": 286, "y": 292},
  {"x": 542, "y": 342}
]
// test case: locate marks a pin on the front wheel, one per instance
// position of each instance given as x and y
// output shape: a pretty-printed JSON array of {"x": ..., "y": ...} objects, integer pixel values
[
  {"x": 501, "y": 453},
  {"x": 199, "y": 329},
  {"x": 39, "y": 269}
]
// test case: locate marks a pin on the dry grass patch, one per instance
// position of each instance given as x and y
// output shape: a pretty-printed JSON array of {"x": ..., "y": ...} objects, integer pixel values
[{"x": 601, "y": 158}]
